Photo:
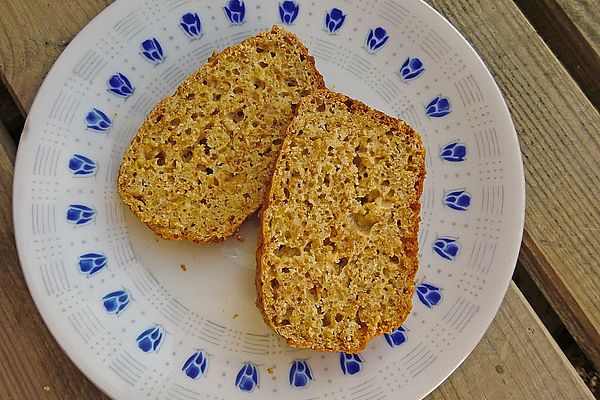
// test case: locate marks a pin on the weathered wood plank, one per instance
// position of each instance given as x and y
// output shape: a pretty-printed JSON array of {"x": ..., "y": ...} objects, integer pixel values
[
  {"x": 516, "y": 338},
  {"x": 585, "y": 14},
  {"x": 571, "y": 29},
  {"x": 558, "y": 130},
  {"x": 34, "y": 366},
  {"x": 32, "y": 35}
]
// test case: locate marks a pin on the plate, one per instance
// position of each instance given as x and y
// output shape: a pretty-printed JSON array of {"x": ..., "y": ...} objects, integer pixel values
[{"x": 147, "y": 318}]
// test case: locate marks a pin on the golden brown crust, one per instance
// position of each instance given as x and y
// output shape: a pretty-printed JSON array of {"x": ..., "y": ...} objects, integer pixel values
[
  {"x": 180, "y": 208},
  {"x": 264, "y": 258}
]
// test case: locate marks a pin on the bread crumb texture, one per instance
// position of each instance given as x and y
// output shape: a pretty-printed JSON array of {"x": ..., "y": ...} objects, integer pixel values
[
  {"x": 338, "y": 246},
  {"x": 202, "y": 160}
]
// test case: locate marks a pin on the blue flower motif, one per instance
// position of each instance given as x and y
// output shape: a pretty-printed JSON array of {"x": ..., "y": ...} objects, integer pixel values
[
  {"x": 78, "y": 214},
  {"x": 446, "y": 247},
  {"x": 150, "y": 339},
  {"x": 428, "y": 294},
  {"x": 116, "y": 302},
  {"x": 376, "y": 39},
  {"x": 152, "y": 51},
  {"x": 334, "y": 20},
  {"x": 91, "y": 263},
  {"x": 235, "y": 11},
  {"x": 438, "y": 107},
  {"x": 351, "y": 363},
  {"x": 97, "y": 121},
  {"x": 411, "y": 69},
  {"x": 396, "y": 337},
  {"x": 121, "y": 86},
  {"x": 247, "y": 379},
  {"x": 454, "y": 152},
  {"x": 300, "y": 374},
  {"x": 81, "y": 165},
  {"x": 288, "y": 11},
  {"x": 191, "y": 25},
  {"x": 195, "y": 365},
  {"x": 458, "y": 200}
]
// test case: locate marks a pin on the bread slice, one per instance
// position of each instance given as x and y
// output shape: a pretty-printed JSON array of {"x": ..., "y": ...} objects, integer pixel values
[
  {"x": 337, "y": 251},
  {"x": 202, "y": 160}
]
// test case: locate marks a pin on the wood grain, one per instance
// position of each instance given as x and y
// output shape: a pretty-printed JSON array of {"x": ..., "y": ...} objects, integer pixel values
[
  {"x": 32, "y": 35},
  {"x": 585, "y": 15},
  {"x": 495, "y": 370},
  {"x": 33, "y": 365},
  {"x": 558, "y": 131},
  {"x": 571, "y": 30}
]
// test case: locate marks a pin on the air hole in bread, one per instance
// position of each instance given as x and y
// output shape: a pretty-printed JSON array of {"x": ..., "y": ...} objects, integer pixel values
[
  {"x": 339, "y": 317},
  {"x": 321, "y": 107},
  {"x": 160, "y": 158},
  {"x": 364, "y": 222},
  {"x": 216, "y": 96},
  {"x": 287, "y": 251},
  {"x": 187, "y": 154},
  {"x": 395, "y": 259},
  {"x": 174, "y": 122},
  {"x": 274, "y": 283},
  {"x": 237, "y": 115},
  {"x": 159, "y": 118},
  {"x": 209, "y": 171},
  {"x": 190, "y": 96},
  {"x": 328, "y": 242}
]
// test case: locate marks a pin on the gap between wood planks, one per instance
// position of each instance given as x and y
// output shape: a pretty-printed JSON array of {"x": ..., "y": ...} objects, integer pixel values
[{"x": 567, "y": 41}]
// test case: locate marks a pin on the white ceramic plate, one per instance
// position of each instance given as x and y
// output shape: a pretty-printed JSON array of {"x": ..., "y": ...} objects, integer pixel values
[{"x": 117, "y": 298}]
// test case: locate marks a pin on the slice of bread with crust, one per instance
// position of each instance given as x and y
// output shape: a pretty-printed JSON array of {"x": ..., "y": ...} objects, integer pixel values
[
  {"x": 202, "y": 160},
  {"x": 337, "y": 252}
]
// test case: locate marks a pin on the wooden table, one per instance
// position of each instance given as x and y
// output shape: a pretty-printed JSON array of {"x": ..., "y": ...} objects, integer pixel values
[{"x": 553, "y": 96}]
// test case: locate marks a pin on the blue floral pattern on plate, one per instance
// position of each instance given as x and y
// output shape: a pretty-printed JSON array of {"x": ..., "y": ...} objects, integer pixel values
[
  {"x": 91, "y": 263},
  {"x": 81, "y": 165},
  {"x": 446, "y": 247},
  {"x": 438, "y": 107},
  {"x": 288, "y": 11},
  {"x": 116, "y": 302},
  {"x": 235, "y": 10},
  {"x": 300, "y": 374},
  {"x": 351, "y": 364},
  {"x": 376, "y": 38},
  {"x": 195, "y": 365},
  {"x": 458, "y": 200},
  {"x": 411, "y": 69},
  {"x": 151, "y": 339},
  {"x": 96, "y": 120},
  {"x": 191, "y": 25},
  {"x": 396, "y": 337},
  {"x": 454, "y": 152},
  {"x": 429, "y": 294},
  {"x": 334, "y": 19},
  {"x": 120, "y": 85},
  {"x": 152, "y": 51},
  {"x": 247, "y": 378},
  {"x": 79, "y": 214}
]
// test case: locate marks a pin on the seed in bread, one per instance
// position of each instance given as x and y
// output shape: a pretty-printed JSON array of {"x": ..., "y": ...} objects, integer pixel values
[
  {"x": 337, "y": 252},
  {"x": 202, "y": 160}
]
